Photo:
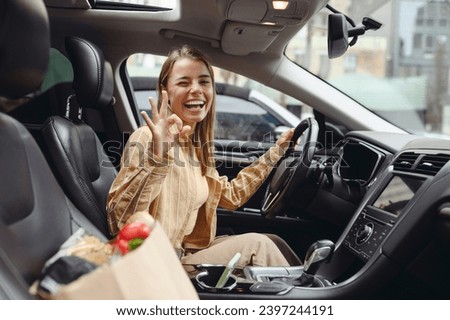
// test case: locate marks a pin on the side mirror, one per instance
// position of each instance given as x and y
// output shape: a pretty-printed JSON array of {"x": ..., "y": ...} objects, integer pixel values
[{"x": 338, "y": 33}]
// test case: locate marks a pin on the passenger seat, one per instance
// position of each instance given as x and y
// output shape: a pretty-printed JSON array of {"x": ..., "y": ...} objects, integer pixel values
[{"x": 74, "y": 150}]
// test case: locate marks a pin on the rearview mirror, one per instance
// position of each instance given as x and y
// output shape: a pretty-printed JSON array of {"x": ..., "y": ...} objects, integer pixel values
[{"x": 338, "y": 33}]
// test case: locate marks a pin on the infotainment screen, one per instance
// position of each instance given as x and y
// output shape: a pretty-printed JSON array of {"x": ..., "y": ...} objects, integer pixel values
[{"x": 397, "y": 194}]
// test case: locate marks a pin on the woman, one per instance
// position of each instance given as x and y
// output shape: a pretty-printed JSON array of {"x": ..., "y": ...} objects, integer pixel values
[{"x": 168, "y": 171}]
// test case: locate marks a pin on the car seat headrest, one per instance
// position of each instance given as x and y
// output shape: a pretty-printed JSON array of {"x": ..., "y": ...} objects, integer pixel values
[
  {"x": 24, "y": 47},
  {"x": 93, "y": 78}
]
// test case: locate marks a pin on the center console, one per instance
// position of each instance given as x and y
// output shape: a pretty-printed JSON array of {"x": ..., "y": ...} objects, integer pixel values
[
  {"x": 381, "y": 213},
  {"x": 269, "y": 280},
  {"x": 371, "y": 252}
]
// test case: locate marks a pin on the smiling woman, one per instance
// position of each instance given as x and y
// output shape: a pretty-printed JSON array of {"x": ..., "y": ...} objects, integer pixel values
[
  {"x": 177, "y": 182},
  {"x": 190, "y": 90}
]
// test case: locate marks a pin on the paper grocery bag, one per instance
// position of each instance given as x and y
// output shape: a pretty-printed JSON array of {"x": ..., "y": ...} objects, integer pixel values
[{"x": 152, "y": 271}]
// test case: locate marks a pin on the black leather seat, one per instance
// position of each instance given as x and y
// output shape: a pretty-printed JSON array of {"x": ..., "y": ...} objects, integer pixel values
[
  {"x": 74, "y": 150},
  {"x": 36, "y": 217}
]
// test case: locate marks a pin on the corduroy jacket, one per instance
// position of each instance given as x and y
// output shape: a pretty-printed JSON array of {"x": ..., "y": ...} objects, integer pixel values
[{"x": 141, "y": 181}]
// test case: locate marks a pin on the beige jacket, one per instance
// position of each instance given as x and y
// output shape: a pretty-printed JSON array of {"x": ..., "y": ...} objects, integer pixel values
[{"x": 140, "y": 183}]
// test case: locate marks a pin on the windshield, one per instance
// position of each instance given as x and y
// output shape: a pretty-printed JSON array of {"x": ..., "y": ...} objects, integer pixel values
[{"x": 400, "y": 71}]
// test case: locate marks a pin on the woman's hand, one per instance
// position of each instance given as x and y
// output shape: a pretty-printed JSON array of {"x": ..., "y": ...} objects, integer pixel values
[
  {"x": 165, "y": 129},
  {"x": 284, "y": 140}
]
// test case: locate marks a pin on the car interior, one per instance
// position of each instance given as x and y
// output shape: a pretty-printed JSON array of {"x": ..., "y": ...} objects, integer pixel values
[{"x": 362, "y": 201}]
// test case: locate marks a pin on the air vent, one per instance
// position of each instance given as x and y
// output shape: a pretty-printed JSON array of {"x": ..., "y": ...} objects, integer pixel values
[
  {"x": 405, "y": 162},
  {"x": 428, "y": 164},
  {"x": 431, "y": 164}
]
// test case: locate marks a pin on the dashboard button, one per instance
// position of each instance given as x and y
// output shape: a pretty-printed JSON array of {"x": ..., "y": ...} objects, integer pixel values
[{"x": 364, "y": 233}]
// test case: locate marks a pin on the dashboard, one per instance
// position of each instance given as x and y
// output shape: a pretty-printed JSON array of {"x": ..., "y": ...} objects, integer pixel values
[
  {"x": 406, "y": 182},
  {"x": 393, "y": 171},
  {"x": 391, "y": 192},
  {"x": 397, "y": 229}
]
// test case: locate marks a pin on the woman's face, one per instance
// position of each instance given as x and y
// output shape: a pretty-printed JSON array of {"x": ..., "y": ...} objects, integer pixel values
[{"x": 190, "y": 90}]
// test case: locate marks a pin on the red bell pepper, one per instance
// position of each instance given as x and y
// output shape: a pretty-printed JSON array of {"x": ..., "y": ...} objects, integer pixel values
[{"x": 131, "y": 236}]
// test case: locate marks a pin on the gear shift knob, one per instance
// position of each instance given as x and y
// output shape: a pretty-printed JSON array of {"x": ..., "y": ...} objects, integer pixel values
[{"x": 319, "y": 252}]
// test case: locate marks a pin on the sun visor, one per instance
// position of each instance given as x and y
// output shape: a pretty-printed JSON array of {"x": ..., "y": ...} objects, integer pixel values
[{"x": 243, "y": 38}]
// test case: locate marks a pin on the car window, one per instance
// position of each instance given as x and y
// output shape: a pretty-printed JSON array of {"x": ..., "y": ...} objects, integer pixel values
[
  {"x": 245, "y": 109},
  {"x": 237, "y": 119},
  {"x": 59, "y": 70}
]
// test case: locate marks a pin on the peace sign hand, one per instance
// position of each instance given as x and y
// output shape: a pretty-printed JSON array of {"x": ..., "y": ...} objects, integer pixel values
[{"x": 165, "y": 129}]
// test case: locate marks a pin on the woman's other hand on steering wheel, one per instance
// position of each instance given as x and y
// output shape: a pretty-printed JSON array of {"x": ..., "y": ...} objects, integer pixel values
[{"x": 285, "y": 139}]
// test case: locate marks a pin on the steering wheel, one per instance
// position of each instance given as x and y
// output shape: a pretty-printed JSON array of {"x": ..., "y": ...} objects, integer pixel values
[{"x": 291, "y": 172}]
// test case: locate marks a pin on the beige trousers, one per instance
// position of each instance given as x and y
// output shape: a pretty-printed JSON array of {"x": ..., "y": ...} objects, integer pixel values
[{"x": 256, "y": 250}]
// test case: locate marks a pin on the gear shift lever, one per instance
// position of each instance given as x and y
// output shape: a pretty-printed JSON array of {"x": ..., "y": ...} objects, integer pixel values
[{"x": 319, "y": 252}]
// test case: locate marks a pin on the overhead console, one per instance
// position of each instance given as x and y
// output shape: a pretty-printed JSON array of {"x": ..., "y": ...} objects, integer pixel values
[
  {"x": 268, "y": 11},
  {"x": 245, "y": 19}
]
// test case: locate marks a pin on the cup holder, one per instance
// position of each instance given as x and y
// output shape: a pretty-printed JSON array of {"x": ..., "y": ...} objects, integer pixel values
[{"x": 208, "y": 276}]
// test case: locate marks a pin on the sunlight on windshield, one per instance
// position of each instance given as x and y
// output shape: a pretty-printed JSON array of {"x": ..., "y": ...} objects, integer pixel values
[{"x": 400, "y": 71}]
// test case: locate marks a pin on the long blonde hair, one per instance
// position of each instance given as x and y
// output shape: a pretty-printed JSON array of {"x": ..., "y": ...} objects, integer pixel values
[{"x": 203, "y": 138}]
